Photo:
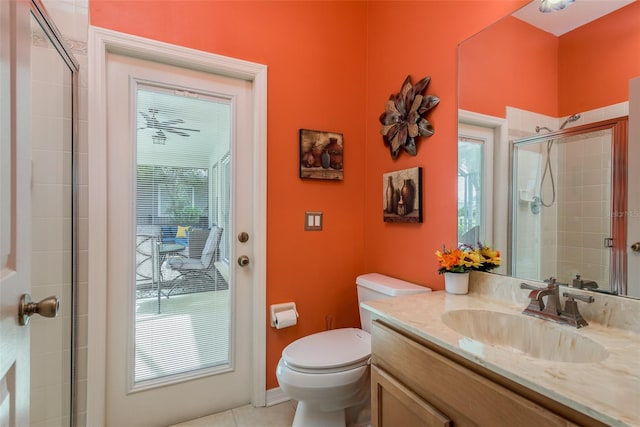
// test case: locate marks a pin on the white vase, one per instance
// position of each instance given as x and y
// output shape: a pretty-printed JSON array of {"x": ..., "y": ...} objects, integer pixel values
[{"x": 456, "y": 283}]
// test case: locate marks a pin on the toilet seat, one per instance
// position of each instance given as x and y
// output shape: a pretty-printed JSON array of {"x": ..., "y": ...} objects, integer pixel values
[{"x": 335, "y": 350}]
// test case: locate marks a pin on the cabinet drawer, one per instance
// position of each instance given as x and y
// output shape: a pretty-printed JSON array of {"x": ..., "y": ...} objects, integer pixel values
[{"x": 466, "y": 397}]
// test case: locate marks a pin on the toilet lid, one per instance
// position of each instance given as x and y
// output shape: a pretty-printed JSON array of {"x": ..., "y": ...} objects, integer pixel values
[{"x": 329, "y": 349}]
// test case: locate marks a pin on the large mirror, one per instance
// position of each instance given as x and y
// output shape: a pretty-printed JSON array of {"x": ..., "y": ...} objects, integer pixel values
[{"x": 543, "y": 170}]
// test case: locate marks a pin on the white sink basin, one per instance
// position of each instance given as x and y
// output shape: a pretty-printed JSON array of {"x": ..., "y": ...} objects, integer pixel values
[{"x": 535, "y": 337}]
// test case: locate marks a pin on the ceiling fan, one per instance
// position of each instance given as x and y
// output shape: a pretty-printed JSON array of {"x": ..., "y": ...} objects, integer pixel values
[{"x": 164, "y": 126}]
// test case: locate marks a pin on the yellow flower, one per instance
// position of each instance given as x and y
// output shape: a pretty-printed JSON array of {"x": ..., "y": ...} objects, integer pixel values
[
  {"x": 490, "y": 256},
  {"x": 466, "y": 258},
  {"x": 471, "y": 259}
]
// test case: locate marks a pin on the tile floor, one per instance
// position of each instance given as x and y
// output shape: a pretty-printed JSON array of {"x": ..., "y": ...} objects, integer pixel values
[{"x": 280, "y": 415}]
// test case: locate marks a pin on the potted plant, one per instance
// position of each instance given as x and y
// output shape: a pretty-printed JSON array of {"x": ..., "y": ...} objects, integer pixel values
[{"x": 456, "y": 264}]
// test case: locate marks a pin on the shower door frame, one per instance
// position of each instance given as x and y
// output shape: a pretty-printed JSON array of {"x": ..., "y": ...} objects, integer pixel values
[
  {"x": 619, "y": 148},
  {"x": 54, "y": 36}
]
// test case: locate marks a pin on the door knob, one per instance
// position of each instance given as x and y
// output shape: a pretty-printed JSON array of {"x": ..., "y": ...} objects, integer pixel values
[
  {"x": 48, "y": 307},
  {"x": 243, "y": 260},
  {"x": 636, "y": 247}
]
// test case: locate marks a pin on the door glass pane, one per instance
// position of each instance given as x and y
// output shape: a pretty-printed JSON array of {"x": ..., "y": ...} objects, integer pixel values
[
  {"x": 182, "y": 297},
  {"x": 52, "y": 238}
]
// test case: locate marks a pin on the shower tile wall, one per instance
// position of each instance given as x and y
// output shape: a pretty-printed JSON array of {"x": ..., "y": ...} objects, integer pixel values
[
  {"x": 71, "y": 17},
  {"x": 584, "y": 220}
]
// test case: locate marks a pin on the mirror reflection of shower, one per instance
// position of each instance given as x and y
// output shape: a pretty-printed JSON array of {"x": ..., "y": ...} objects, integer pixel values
[
  {"x": 566, "y": 238},
  {"x": 548, "y": 169}
]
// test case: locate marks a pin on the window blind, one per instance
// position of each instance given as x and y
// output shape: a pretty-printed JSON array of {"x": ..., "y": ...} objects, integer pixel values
[{"x": 182, "y": 204}]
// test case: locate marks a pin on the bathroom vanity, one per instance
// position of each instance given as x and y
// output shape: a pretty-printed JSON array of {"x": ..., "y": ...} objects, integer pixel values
[{"x": 440, "y": 359}]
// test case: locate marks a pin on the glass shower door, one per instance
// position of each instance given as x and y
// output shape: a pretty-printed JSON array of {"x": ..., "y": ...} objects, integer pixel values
[
  {"x": 567, "y": 190},
  {"x": 53, "y": 224}
]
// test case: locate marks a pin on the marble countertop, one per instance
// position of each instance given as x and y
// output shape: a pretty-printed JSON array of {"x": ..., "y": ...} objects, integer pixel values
[{"x": 607, "y": 390}]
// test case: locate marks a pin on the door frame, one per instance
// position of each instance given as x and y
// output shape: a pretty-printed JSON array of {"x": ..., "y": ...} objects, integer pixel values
[{"x": 101, "y": 43}]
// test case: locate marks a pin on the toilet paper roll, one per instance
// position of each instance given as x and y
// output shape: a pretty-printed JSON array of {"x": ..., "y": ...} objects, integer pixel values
[{"x": 286, "y": 318}]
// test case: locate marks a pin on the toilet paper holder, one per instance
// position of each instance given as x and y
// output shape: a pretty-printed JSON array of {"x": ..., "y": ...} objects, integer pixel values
[{"x": 277, "y": 308}]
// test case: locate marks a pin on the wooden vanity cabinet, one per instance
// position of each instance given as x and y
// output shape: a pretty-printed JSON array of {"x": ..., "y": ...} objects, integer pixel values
[{"x": 415, "y": 383}]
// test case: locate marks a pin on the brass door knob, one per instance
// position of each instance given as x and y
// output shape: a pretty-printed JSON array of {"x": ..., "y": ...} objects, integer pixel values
[
  {"x": 636, "y": 247},
  {"x": 48, "y": 307},
  {"x": 243, "y": 260}
]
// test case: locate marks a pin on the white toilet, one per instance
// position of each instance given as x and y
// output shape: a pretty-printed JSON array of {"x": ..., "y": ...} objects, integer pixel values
[{"x": 328, "y": 372}]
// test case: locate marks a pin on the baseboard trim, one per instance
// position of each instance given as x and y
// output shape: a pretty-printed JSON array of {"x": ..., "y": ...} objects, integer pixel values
[{"x": 275, "y": 396}]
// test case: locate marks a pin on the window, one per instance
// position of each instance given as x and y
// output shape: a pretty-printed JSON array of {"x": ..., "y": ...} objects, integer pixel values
[
  {"x": 170, "y": 195},
  {"x": 475, "y": 176},
  {"x": 168, "y": 199}
]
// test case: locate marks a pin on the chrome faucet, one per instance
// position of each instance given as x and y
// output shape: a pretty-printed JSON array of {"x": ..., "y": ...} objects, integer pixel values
[{"x": 551, "y": 310}]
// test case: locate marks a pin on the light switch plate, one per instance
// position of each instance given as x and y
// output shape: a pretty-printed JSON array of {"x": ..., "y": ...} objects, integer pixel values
[{"x": 313, "y": 221}]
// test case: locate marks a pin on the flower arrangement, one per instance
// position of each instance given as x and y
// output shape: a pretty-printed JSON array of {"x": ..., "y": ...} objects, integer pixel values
[{"x": 467, "y": 258}]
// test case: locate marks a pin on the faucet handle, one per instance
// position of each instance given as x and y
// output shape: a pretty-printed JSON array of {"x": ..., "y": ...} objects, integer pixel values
[
  {"x": 571, "y": 313},
  {"x": 528, "y": 286},
  {"x": 552, "y": 283},
  {"x": 572, "y": 297}
]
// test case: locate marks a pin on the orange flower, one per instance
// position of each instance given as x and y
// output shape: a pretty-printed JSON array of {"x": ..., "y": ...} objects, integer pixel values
[{"x": 449, "y": 259}]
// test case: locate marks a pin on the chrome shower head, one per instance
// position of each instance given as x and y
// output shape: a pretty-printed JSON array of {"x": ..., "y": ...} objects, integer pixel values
[
  {"x": 570, "y": 119},
  {"x": 539, "y": 128}
]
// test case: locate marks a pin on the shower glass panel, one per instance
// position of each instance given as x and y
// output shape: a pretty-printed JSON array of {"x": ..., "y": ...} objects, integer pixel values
[
  {"x": 561, "y": 206},
  {"x": 53, "y": 224}
]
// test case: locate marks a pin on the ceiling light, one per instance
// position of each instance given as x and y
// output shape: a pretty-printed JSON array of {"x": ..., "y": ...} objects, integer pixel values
[
  {"x": 159, "y": 138},
  {"x": 553, "y": 5}
]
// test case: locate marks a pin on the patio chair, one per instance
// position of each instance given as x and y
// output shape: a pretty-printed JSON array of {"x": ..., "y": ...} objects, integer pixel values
[
  {"x": 197, "y": 240},
  {"x": 146, "y": 270},
  {"x": 197, "y": 273}
]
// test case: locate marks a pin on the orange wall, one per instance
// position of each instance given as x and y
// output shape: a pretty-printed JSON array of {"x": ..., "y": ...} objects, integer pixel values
[
  {"x": 331, "y": 66},
  {"x": 585, "y": 63},
  {"x": 418, "y": 38},
  {"x": 591, "y": 72},
  {"x": 491, "y": 79}
]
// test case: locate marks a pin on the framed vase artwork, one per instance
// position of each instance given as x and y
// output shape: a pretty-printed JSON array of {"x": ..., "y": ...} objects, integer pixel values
[
  {"x": 402, "y": 196},
  {"x": 321, "y": 155}
]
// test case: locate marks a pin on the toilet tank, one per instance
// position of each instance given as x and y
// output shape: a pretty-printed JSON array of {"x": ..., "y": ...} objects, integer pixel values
[{"x": 374, "y": 286}]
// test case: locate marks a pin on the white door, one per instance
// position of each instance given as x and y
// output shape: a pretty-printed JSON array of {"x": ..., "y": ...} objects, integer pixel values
[
  {"x": 15, "y": 215},
  {"x": 179, "y": 170}
]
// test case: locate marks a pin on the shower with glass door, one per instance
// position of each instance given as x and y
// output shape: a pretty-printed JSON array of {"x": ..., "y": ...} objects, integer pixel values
[
  {"x": 54, "y": 153},
  {"x": 567, "y": 187}
]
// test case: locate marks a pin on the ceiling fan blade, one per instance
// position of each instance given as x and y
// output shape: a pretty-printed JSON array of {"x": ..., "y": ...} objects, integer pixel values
[
  {"x": 173, "y": 128},
  {"x": 177, "y": 132},
  {"x": 154, "y": 123},
  {"x": 172, "y": 122}
]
